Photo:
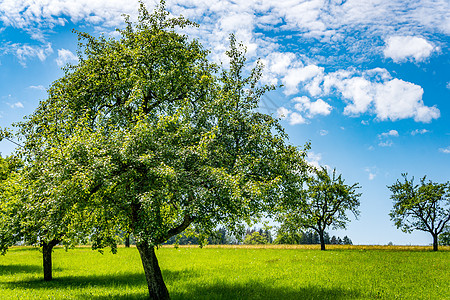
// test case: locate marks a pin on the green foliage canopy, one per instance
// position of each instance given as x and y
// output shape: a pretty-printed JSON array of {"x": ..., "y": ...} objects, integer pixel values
[{"x": 322, "y": 203}]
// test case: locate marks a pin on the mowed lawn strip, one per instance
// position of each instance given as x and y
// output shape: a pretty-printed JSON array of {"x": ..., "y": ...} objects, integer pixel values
[{"x": 234, "y": 272}]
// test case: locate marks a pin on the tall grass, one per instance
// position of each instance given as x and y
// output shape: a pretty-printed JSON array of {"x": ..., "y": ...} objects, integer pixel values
[{"x": 234, "y": 272}]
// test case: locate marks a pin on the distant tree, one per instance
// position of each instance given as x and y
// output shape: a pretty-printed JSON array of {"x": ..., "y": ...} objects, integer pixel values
[
  {"x": 334, "y": 240},
  {"x": 424, "y": 206},
  {"x": 347, "y": 241},
  {"x": 288, "y": 235},
  {"x": 255, "y": 238},
  {"x": 326, "y": 237},
  {"x": 324, "y": 203},
  {"x": 444, "y": 238},
  {"x": 218, "y": 237}
]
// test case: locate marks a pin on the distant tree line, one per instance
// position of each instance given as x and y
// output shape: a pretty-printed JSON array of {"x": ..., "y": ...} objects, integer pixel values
[{"x": 258, "y": 236}]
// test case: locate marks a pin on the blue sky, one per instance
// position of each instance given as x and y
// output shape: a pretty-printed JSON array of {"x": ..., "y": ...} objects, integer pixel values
[{"x": 366, "y": 82}]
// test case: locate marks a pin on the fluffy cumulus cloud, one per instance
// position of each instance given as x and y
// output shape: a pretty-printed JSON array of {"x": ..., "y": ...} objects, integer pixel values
[
  {"x": 375, "y": 91},
  {"x": 312, "y": 108},
  {"x": 295, "y": 76},
  {"x": 303, "y": 110},
  {"x": 389, "y": 133},
  {"x": 64, "y": 57},
  {"x": 402, "y": 48}
]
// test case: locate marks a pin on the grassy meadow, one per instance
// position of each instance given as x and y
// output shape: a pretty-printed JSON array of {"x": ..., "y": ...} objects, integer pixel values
[{"x": 234, "y": 272}]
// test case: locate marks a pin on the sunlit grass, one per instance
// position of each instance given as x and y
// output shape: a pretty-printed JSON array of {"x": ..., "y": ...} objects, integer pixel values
[{"x": 234, "y": 272}]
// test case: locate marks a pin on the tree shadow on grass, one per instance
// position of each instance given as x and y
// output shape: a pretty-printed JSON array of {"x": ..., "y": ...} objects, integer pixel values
[
  {"x": 258, "y": 290},
  {"x": 91, "y": 281},
  {"x": 252, "y": 290},
  {"x": 224, "y": 290},
  {"x": 14, "y": 269}
]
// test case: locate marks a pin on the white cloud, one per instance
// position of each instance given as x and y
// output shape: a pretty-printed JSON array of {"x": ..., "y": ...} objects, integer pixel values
[
  {"x": 314, "y": 159},
  {"x": 387, "y": 143},
  {"x": 375, "y": 92},
  {"x": 283, "y": 112},
  {"x": 25, "y": 52},
  {"x": 445, "y": 150},
  {"x": 332, "y": 25},
  {"x": 37, "y": 87},
  {"x": 65, "y": 56},
  {"x": 295, "y": 76},
  {"x": 16, "y": 105},
  {"x": 323, "y": 132},
  {"x": 384, "y": 138},
  {"x": 312, "y": 108},
  {"x": 372, "y": 176},
  {"x": 419, "y": 131},
  {"x": 389, "y": 133},
  {"x": 296, "y": 118},
  {"x": 448, "y": 85},
  {"x": 397, "y": 99},
  {"x": 403, "y": 48}
]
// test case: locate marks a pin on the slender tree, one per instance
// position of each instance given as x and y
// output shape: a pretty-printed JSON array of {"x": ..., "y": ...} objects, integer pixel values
[
  {"x": 323, "y": 203},
  {"x": 424, "y": 206}
]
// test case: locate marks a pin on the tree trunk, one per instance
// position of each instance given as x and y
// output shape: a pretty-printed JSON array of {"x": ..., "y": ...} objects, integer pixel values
[
  {"x": 127, "y": 240},
  {"x": 47, "y": 249},
  {"x": 435, "y": 242},
  {"x": 322, "y": 241},
  {"x": 156, "y": 287}
]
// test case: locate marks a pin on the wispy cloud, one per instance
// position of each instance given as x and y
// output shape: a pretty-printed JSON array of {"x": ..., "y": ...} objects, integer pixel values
[
  {"x": 419, "y": 131},
  {"x": 445, "y": 150},
  {"x": 387, "y": 143},
  {"x": 16, "y": 105},
  {"x": 25, "y": 52},
  {"x": 37, "y": 87},
  {"x": 65, "y": 56},
  {"x": 385, "y": 140},
  {"x": 323, "y": 132},
  {"x": 371, "y": 173}
]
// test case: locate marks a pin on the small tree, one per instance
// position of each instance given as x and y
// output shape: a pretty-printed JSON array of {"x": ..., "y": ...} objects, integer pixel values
[
  {"x": 31, "y": 213},
  {"x": 347, "y": 241},
  {"x": 255, "y": 238},
  {"x": 324, "y": 203},
  {"x": 424, "y": 206},
  {"x": 444, "y": 238}
]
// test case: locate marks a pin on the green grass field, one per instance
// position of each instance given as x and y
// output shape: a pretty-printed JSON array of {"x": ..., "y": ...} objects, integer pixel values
[{"x": 234, "y": 273}]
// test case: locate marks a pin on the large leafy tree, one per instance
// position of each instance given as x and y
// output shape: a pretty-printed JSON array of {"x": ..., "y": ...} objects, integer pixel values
[
  {"x": 424, "y": 206},
  {"x": 322, "y": 203},
  {"x": 148, "y": 137}
]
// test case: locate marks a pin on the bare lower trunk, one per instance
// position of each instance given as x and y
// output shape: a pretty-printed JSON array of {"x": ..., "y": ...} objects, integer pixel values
[
  {"x": 156, "y": 287},
  {"x": 47, "y": 249},
  {"x": 435, "y": 242},
  {"x": 127, "y": 240},
  {"x": 322, "y": 241}
]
